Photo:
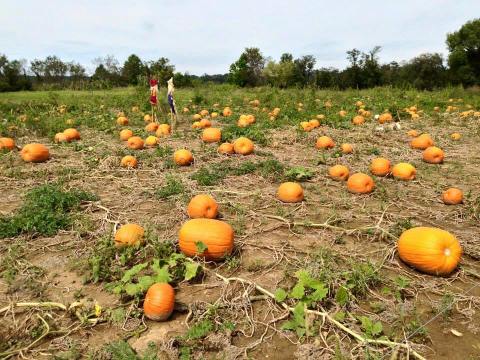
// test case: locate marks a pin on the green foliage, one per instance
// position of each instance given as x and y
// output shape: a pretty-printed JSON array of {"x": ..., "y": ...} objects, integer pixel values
[
  {"x": 172, "y": 187},
  {"x": 299, "y": 173},
  {"x": 121, "y": 350},
  {"x": 371, "y": 328},
  {"x": 46, "y": 209}
]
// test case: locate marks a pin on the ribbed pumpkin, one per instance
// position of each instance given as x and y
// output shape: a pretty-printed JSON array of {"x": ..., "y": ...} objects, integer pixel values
[
  {"x": 163, "y": 130},
  {"x": 35, "y": 153},
  {"x": 430, "y": 250},
  {"x": 421, "y": 142},
  {"x": 152, "y": 127},
  {"x": 129, "y": 235},
  {"x": 243, "y": 146},
  {"x": 324, "y": 142},
  {"x": 151, "y": 141},
  {"x": 433, "y": 155},
  {"x": 159, "y": 302},
  {"x": 404, "y": 171},
  {"x": 7, "y": 143},
  {"x": 380, "y": 167},
  {"x": 290, "y": 192},
  {"x": 135, "y": 143},
  {"x": 122, "y": 121},
  {"x": 385, "y": 117},
  {"x": 72, "y": 134},
  {"x": 338, "y": 172},
  {"x": 202, "y": 206},
  {"x": 346, "y": 148},
  {"x": 183, "y": 157},
  {"x": 128, "y": 161},
  {"x": 360, "y": 183},
  {"x": 226, "y": 148},
  {"x": 216, "y": 235},
  {"x": 60, "y": 138},
  {"x": 211, "y": 135},
  {"x": 452, "y": 196},
  {"x": 358, "y": 120},
  {"x": 126, "y": 134}
]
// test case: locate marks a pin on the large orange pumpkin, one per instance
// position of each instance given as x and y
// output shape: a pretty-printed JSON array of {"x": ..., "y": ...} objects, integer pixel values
[
  {"x": 421, "y": 142},
  {"x": 152, "y": 127},
  {"x": 135, "y": 143},
  {"x": 290, "y": 192},
  {"x": 431, "y": 250},
  {"x": 72, "y": 134},
  {"x": 433, "y": 155},
  {"x": 163, "y": 130},
  {"x": 128, "y": 161},
  {"x": 35, "y": 153},
  {"x": 159, "y": 302},
  {"x": 216, "y": 235},
  {"x": 183, "y": 157},
  {"x": 360, "y": 183},
  {"x": 129, "y": 235},
  {"x": 404, "y": 171},
  {"x": 380, "y": 167},
  {"x": 324, "y": 142},
  {"x": 243, "y": 146},
  {"x": 7, "y": 143},
  {"x": 452, "y": 196},
  {"x": 226, "y": 148},
  {"x": 202, "y": 206},
  {"x": 339, "y": 172},
  {"x": 126, "y": 134},
  {"x": 211, "y": 135},
  {"x": 205, "y": 123}
]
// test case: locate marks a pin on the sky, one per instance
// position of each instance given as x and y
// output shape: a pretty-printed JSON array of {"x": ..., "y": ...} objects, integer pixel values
[{"x": 206, "y": 36}]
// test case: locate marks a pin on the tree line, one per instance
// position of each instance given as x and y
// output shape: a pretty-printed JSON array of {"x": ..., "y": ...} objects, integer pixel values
[{"x": 426, "y": 71}]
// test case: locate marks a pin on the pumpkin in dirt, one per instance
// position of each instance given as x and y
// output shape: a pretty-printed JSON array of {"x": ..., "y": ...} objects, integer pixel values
[
  {"x": 7, "y": 143},
  {"x": 320, "y": 117},
  {"x": 163, "y": 130},
  {"x": 421, "y": 142},
  {"x": 433, "y": 155},
  {"x": 346, "y": 148},
  {"x": 202, "y": 206},
  {"x": 306, "y": 126},
  {"x": 360, "y": 183},
  {"x": 339, "y": 172},
  {"x": 358, "y": 120},
  {"x": 404, "y": 171},
  {"x": 342, "y": 113},
  {"x": 129, "y": 235},
  {"x": 151, "y": 141},
  {"x": 147, "y": 118},
  {"x": 227, "y": 112},
  {"x": 196, "y": 125},
  {"x": 290, "y": 192},
  {"x": 204, "y": 112},
  {"x": 211, "y": 135},
  {"x": 159, "y": 302},
  {"x": 314, "y": 123},
  {"x": 214, "y": 115},
  {"x": 126, "y": 134},
  {"x": 186, "y": 110},
  {"x": 226, "y": 148},
  {"x": 455, "y": 136},
  {"x": 135, "y": 143},
  {"x": 183, "y": 157},
  {"x": 214, "y": 235},
  {"x": 72, "y": 134},
  {"x": 152, "y": 127},
  {"x": 412, "y": 133},
  {"x": 385, "y": 117},
  {"x": 196, "y": 117},
  {"x": 324, "y": 142},
  {"x": 128, "y": 161},
  {"x": 122, "y": 121},
  {"x": 452, "y": 196},
  {"x": 380, "y": 167},
  {"x": 205, "y": 123},
  {"x": 35, "y": 153},
  {"x": 431, "y": 250},
  {"x": 242, "y": 122},
  {"x": 60, "y": 138},
  {"x": 243, "y": 146}
]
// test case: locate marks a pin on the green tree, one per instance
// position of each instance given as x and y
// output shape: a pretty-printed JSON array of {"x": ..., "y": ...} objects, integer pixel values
[
  {"x": 425, "y": 71},
  {"x": 132, "y": 69},
  {"x": 279, "y": 74},
  {"x": 161, "y": 69},
  {"x": 248, "y": 69}
]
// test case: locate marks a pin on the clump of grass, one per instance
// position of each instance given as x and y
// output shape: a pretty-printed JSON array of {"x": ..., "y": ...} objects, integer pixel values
[
  {"x": 47, "y": 209},
  {"x": 173, "y": 186},
  {"x": 254, "y": 133}
]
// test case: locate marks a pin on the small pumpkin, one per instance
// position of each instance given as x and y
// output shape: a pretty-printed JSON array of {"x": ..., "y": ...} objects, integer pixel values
[
  {"x": 129, "y": 235},
  {"x": 430, "y": 250},
  {"x": 421, "y": 142},
  {"x": 412, "y": 133},
  {"x": 433, "y": 155},
  {"x": 324, "y": 142},
  {"x": 122, "y": 121},
  {"x": 196, "y": 125},
  {"x": 202, "y": 206},
  {"x": 35, "y": 153},
  {"x": 216, "y": 235},
  {"x": 71, "y": 134},
  {"x": 211, "y": 135},
  {"x": 346, "y": 148},
  {"x": 339, "y": 172},
  {"x": 314, "y": 123},
  {"x": 183, "y": 157},
  {"x": 159, "y": 302},
  {"x": 226, "y": 148},
  {"x": 243, "y": 146},
  {"x": 404, "y": 171},
  {"x": 456, "y": 136},
  {"x": 358, "y": 120},
  {"x": 360, "y": 183},
  {"x": 290, "y": 192},
  {"x": 204, "y": 112},
  {"x": 151, "y": 141},
  {"x": 452, "y": 196},
  {"x": 151, "y": 127},
  {"x": 60, "y": 138},
  {"x": 196, "y": 117},
  {"x": 306, "y": 126},
  {"x": 126, "y": 134},
  {"x": 205, "y": 123},
  {"x": 7, "y": 143},
  {"x": 214, "y": 115},
  {"x": 227, "y": 112},
  {"x": 342, "y": 113},
  {"x": 163, "y": 130},
  {"x": 147, "y": 118},
  {"x": 385, "y": 117},
  {"x": 380, "y": 167},
  {"x": 128, "y": 161},
  {"x": 135, "y": 143}
]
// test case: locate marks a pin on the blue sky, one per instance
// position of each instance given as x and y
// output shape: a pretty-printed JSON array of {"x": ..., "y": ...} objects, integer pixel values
[{"x": 206, "y": 36}]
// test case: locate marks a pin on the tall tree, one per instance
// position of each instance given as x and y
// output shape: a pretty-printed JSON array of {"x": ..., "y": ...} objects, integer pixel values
[
  {"x": 161, "y": 69},
  {"x": 132, "y": 69},
  {"x": 248, "y": 69}
]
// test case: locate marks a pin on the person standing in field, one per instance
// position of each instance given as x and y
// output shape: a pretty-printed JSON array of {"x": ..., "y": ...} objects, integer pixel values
[{"x": 171, "y": 102}]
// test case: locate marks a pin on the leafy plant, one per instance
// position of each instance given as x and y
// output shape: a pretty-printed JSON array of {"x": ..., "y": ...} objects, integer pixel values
[
  {"x": 372, "y": 329},
  {"x": 298, "y": 173},
  {"x": 173, "y": 186}
]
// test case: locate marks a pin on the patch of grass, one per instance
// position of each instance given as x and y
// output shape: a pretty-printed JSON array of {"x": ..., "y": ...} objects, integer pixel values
[
  {"x": 173, "y": 186},
  {"x": 254, "y": 132},
  {"x": 46, "y": 209}
]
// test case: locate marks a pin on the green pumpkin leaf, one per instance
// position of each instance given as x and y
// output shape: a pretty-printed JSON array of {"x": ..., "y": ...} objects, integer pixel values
[
  {"x": 145, "y": 282},
  {"x": 341, "y": 297},
  {"x": 129, "y": 274},
  {"x": 162, "y": 275},
  {"x": 191, "y": 270},
  {"x": 201, "y": 247},
  {"x": 280, "y": 295},
  {"x": 298, "y": 291},
  {"x": 132, "y": 289}
]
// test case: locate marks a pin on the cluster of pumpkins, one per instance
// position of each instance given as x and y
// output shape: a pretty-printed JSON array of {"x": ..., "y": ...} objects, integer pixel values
[{"x": 203, "y": 227}]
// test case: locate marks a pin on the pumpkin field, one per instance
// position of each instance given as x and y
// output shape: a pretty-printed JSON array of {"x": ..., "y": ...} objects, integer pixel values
[{"x": 263, "y": 224}]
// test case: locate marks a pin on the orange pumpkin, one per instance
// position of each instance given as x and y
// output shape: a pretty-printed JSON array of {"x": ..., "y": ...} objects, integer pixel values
[
  {"x": 412, "y": 133},
  {"x": 346, "y": 148},
  {"x": 306, "y": 126},
  {"x": 456, "y": 136},
  {"x": 205, "y": 123},
  {"x": 202, "y": 206},
  {"x": 163, "y": 130},
  {"x": 385, "y": 117},
  {"x": 421, "y": 142},
  {"x": 360, "y": 183},
  {"x": 71, "y": 134},
  {"x": 216, "y": 235},
  {"x": 358, "y": 120},
  {"x": 227, "y": 112},
  {"x": 404, "y": 171},
  {"x": 135, "y": 143},
  {"x": 214, "y": 115},
  {"x": 126, "y": 134},
  {"x": 152, "y": 127},
  {"x": 320, "y": 117},
  {"x": 211, "y": 135},
  {"x": 196, "y": 117},
  {"x": 183, "y": 157},
  {"x": 290, "y": 192},
  {"x": 60, "y": 138},
  {"x": 129, "y": 235},
  {"x": 122, "y": 121},
  {"x": 433, "y": 155},
  {"x": 7, "y": 143},
  {"x": 226, "y": 148},
  {"x": 342, "y": 113},
  {"x": 159, "y": 302},
  {"x": 35, "y": 153},
  {"x": 324, "y": 142},
  {"x": 147, "y": 118},
  {"x": 430, "y": 250},
  {"x": 338, "y": 172},
  {"x": 151, "y": 141},
  {"x": 128, "y": 161},
  {"x": 314, "y": 123},
  {"x": 452, "y": 196},
  {"x": 243, "y": 146},
  {"x": 196, "y": 125},
  {"x": 204, "y": 112},
  {"x": 380, "y": 167}
]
